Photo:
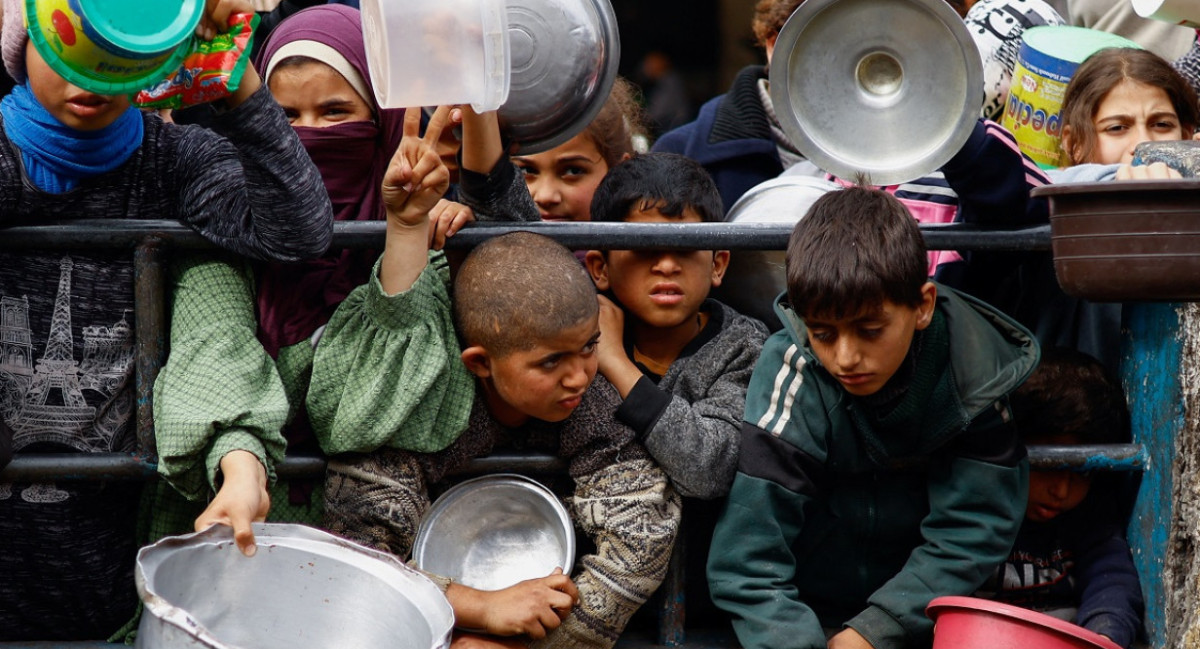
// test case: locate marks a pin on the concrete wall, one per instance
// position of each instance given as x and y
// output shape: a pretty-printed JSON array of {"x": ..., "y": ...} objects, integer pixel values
[
  {"x": 1181, "y": 576},
  {"x": 738, "y": 48}
]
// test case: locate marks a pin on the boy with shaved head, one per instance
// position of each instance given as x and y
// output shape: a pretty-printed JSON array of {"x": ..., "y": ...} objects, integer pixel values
[{"x": 527, "y": 315}]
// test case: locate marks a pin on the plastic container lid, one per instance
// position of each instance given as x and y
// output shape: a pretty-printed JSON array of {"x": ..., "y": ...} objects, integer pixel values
[
  {"x": 1073, "y": 44},
  {"x": 151, "y": 38},
  {"x": 136, "y": 28}
]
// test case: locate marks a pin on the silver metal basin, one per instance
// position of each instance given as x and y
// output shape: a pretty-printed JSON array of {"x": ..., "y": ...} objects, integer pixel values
[
  {"x": 495, "y": 531},
  {"x": 303, "y": 589}
]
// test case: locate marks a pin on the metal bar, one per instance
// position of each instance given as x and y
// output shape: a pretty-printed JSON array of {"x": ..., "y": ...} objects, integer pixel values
[
  {"x": 311, "y": 467},
  {"x": 42, "y": 467},
  {"x": 118, "y": 233},
  {"x": 120, "y": 466},
  {"x": 535, "y": 463},
  {"x": 1099, "y": 457},
  {"x": 60, "y": 644},
  {"x": 151, "y": 332},
  {"x": 672, "y": 611}
]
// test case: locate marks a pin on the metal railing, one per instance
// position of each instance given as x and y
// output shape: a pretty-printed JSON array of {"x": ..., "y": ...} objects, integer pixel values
[{"x": 150, "y": 242}]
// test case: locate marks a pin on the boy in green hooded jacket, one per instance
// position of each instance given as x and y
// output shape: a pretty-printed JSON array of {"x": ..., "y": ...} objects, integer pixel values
[{"x": 880, "y": 467}]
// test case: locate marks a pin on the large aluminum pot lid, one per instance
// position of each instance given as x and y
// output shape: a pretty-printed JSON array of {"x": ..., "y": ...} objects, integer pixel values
[
  {"x": 495, "y": 531},
  {"x": 564, "y": 55},
  {"x": 890, "y": 88}
]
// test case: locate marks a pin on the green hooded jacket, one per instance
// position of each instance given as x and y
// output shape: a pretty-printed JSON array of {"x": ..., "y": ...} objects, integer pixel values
[{"x": 841, "y": 516}]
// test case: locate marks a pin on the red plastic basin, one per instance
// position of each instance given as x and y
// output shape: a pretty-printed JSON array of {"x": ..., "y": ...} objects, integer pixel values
[{"x": 973, "y": 623}]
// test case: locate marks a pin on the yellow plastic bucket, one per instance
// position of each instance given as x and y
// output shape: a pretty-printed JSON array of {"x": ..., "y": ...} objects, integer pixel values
[{"x": 1048, "y": 57}]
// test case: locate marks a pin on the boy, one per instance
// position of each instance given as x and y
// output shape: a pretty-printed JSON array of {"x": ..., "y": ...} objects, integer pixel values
[
  {"x": 527, "y": 315},
  {"x": 1071, "y": 558},
  {"x": 682, "y": 369},
  {"x": 879, "y": 467}
]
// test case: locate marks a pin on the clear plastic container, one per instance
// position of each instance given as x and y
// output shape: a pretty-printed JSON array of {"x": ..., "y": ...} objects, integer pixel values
[{"x": 437, "y": 52}]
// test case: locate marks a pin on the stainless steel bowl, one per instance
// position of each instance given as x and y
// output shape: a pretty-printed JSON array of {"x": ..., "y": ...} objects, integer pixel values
[
  {"x": 303, "y": 589},
  {"x": 756, "y": 277},
  {"x": 891, "y": 88},
  {"x": 495, "y": 531},
  {"x": 565, "y": 55}
]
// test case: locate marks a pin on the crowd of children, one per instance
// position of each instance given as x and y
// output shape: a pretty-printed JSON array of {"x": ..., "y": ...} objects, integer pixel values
[{"x": 864, "y": 459}]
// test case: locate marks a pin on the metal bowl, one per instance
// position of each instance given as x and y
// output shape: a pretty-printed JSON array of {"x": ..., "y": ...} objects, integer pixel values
[
  {"x": 564, "y": 55},
  {"x": 303, "y": 589},
  {"x": 891, "y": 88},
  {"x": 755, "y": 278},
  {"x": 495, "y": 531}
]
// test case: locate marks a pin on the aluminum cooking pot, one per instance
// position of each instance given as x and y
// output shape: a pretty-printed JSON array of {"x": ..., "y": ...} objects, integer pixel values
[{"x": 303, "y": 589}]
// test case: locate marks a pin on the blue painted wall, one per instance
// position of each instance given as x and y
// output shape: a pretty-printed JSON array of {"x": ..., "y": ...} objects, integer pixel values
[{"x": 1150, "y": 368}]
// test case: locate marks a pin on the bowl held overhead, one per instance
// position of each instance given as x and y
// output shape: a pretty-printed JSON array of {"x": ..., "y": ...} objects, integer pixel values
[{"x": 887, "y": 88}]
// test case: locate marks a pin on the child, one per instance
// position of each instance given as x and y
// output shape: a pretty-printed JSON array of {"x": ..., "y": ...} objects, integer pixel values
[
  {"x": 527, "y": 315},
  {"x": 1119, "y": 98},
  {"x": 1071, "y": 556},
  {"x": 829, "y": 528},
  {"x": 237, "y": 372},
  {"x": 219, "y": 402},
  {"x": 563, "y": 179},
  {"x": 679, "y": 360},
  {"x": 246, "y": 185}
]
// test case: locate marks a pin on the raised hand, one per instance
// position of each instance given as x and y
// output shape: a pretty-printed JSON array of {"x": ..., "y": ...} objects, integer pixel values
[{"x": 416, "y": 178}]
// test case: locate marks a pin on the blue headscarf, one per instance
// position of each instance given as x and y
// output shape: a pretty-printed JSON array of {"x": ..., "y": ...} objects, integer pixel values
[{"x": 57, "y": 156}]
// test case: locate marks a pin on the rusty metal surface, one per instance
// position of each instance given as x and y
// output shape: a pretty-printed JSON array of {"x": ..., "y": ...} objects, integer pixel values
[{"x": 151, "y": 331}]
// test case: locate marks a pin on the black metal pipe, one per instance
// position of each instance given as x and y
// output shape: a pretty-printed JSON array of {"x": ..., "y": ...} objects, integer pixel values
[
  {"x": 122, "y": 233},
  {"x": 27, "y": 467},
  {"x": 151, "y": 332},
  {"x": 42, "y": 467}
]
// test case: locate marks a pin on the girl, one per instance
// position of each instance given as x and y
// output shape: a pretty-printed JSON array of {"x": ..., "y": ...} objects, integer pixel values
[
  {"x": 66, "y": 153},
  {"x": 220, "y": 401},
  {"x": 1119, "y": 98},
  {"x": 563, "y": 179}
]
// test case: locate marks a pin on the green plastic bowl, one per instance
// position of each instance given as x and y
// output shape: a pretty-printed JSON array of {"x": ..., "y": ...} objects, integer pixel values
[{"x": 113, "y": 47}]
